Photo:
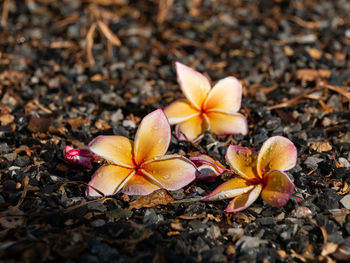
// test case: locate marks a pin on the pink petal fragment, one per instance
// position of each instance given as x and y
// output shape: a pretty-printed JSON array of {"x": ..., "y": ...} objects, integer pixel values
[
  {"x": 278, "y": 153},
  {"x": 241, "y": 202},
  {"x": 180, "y": 111},
  {"x": 278, "y": 188},
  {"x": 113, "y": 148},
  {"x": 193, "y": 84},
  {"x": 222, "y": 123},
  {"x": 78, "y": 156},
  {"x": 108, "y": 179},
  {"x": 172, "y": 172},
  {"x": 208, "y": 167},
  {"x": 192, "y": 128},
  {"x": 226, "y": 95},
  {"x": 139, "y": 185},
  {"x": 231, "y": 188},
  {"x": 242, "y": 160},
  {"x": 152, "y": 137}
]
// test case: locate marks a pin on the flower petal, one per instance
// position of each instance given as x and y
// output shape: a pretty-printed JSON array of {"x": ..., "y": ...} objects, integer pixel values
[
  {"x": 152, "y": 137},
  {"x": 241, "y": 202},
  {"x": 208, "y": 168},
  {"x": 108, "y": 179},
  {"x": 193, "y": 84},
  {"x": 278, "y": 188},
  {"x": 139, "y": 185},
  {"x": 192, "y": 128},
  {"x": 231, "y": 188},
  {"x": 225, "y": 95},
  {"x": 242, "y": 160},
  {"x": 180, "y": 111},
  {"x": 172, "y": 172},
  {"x": 222, "y": 123},
  {"x": 113, "y": 148},
  {"x": 278, "y": 153},
  {"x": 79, "y": 156}
]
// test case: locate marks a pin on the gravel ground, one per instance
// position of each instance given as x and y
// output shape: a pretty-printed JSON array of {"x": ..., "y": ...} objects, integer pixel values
[{"x": 71, "y": 70}]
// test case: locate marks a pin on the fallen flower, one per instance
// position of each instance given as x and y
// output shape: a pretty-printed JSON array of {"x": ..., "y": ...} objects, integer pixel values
[
  {"x": 261, "y": 173},
  {"x": 80, "y": 156},
  {"x": 141, "y": 167},
  {"x": 208, "y": 168},
  {"x": 205, "y": 108}
]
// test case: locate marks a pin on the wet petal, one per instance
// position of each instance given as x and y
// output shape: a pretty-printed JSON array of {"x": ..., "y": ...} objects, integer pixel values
[
  {"x": 172, "y": 172},
  {"x": 222, "y": 123},
  {"x": 180, "y": 111},
  {"x": 108, "y": 179},
  {"x": 231, "y": 188},
  {"x": 208, "y": 168},
  {"x": 79, "y": 156},
  {"x": 192, "y": 128},
  {"x": 241, "y": 202},
  {"x": 193, "y": 84},
  {"x": 225, "y": 95},
  {"x": 278, "y": 188},
  {"x": 152, "y": 137},
  {"x": 139, "y": 185},
  {"x": 278, "y": 153},
  {"x": 113, "y": 148},
  {"x": 242, "y": 160}
]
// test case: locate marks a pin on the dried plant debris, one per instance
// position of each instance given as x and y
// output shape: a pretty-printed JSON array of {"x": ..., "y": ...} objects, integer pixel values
[{"x": 71, "y": 71}]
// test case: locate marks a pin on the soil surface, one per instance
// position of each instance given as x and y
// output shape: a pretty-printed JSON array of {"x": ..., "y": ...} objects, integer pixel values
[{"x": 71, "y": 70}]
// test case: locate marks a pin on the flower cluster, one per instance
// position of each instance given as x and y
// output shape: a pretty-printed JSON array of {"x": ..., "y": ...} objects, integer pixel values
[{"x": 142, "y": 166}]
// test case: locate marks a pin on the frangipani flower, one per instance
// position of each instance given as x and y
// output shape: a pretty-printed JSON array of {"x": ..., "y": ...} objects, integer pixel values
[
  {"x": 261, "y": 173},
  {"x": 79, "y": 156},
  {"x": 141, "y": 167},
  {"x": 208, "y": 168},
  {"x": 205, "y": 108}
]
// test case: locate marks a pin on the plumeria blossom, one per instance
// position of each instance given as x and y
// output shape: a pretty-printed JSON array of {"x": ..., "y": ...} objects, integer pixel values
[
  {"x": 213, "y": 109},
  {"x": 259, "y": 174},
  {"x": 80, "y": 156},
  {"x": 208, "y": 168},
  {"x": 141, "y": 167}
]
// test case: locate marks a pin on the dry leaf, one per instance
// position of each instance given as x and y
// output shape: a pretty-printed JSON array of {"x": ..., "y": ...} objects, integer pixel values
[
  {"x": 186, "y": 217},
  {"x": 6, "y": 119},
  {"x": 89, "y": 44},
  {"x": 177, "y": 226},
  {"x": 312, "y": 74},
  {"x": 320, "y": 146},
  {"x": 315, "y": 53},
  {"x": 109, "y": 34},
  {"x": 339, "y": 215},
  {"x": 39, "y": 124},
  {"x": 159, "y": 197},
  {"x": 13, "y": 217},
  {"x": 163, "y": 9},
  {"x": 328, "y": 248},
  {"x": 77, "y": 122}
]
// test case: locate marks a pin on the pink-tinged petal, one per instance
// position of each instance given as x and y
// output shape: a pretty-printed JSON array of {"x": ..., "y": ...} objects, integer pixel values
[
  {"x": 193, "y": 84},
  {"x": 171, "y": 172},
  {"x": 192, "y": 128},
  {"x": 108, "y": 179},
  {"x": 152, "y": 138},
  {"x": 180, "y": 111},
  {"x": 278, "y": 153},
  {"x": 208, "y": 168},
  {"x": 242, "y": 160},
  {"x": 278, "y": 188},
  {"x": 113, "y": 148},
  {"x": 226, "y": 95},
  {"x": 79, "y": 156},
  {"x": 241, "y": 202},
  {"x": 139, "y": 185},
  {"x": 222, "y": 123},
  {"x": 231, "y": 188}
]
